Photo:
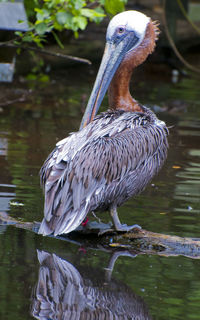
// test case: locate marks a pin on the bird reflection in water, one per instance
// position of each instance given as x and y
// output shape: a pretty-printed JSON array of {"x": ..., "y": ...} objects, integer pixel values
[{"x": 63, "y": 293}]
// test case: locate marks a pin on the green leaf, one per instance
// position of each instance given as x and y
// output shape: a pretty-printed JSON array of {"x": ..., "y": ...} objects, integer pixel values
[
  {"x": 38, "y": 10},
  {"x": 31, "y": 76},
  {"x": 78, "y": 4},
  {"x": 44, "y": 78},
  {"x": 36, "y": 2},
  {"x": 90, "y": 13},
  {"x": 42, "y": 14},
  {"x": 62, "y": 17},
  {"x": 18, "y": 51},
  {"x": 76, "y": 34},
  {"x": 114, "y": 6},
  {"x": 100, "y": 16},
  {"x": 41, "y": 28},
  {"x": 38, "y": 22},
  {"x": 19, "y": 33},
  {"x": 27, "y": 38},
  {"x": 87, "y": 12},
  {"x": 81, "y": 22}
]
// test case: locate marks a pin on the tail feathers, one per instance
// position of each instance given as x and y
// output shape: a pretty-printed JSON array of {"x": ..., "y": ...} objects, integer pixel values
[
  {"x": 64, "y": 224},
  {"x": 69, "y": 223},
  {"x": 45, "y": 229}
]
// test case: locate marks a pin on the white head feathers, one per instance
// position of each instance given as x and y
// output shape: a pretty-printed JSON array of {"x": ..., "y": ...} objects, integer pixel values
[{"x": 132, "y": 20}]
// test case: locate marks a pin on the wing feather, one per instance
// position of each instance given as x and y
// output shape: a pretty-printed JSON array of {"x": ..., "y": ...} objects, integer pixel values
[{"x": 97, "y": 166}]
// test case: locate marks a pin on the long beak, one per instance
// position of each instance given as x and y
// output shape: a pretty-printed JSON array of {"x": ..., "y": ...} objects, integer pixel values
[{"x": 112, "y": 57}]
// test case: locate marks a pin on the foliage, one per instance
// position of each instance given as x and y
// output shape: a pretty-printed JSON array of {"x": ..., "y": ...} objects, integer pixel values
[
  {"x": 54, "y": 16},
  {"x": 38, "y": 72}
]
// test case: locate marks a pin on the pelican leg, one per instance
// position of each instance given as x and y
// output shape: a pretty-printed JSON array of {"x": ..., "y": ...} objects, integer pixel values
[
  {"x": 114, "y": 257},
  {"x": 117, "y": 224}
]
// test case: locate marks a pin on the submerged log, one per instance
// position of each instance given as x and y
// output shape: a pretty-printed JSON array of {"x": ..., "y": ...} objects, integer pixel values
[{"x": 101, "y": 236}]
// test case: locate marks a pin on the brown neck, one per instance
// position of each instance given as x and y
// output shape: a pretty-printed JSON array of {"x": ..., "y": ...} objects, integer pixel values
[{"x": 118, "y": 92}]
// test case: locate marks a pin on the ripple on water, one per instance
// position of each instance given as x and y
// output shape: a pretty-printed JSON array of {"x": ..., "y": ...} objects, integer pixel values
[{"x": 187, "y": 194}]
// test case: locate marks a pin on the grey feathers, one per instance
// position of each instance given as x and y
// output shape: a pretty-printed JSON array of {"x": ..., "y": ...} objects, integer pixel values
[{"x": 110, "y": 160}]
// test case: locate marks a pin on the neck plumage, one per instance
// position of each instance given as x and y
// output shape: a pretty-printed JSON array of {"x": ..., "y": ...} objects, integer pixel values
[{"x": 118, "y": 92}]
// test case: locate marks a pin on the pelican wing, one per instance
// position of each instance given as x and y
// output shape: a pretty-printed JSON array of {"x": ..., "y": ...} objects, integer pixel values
[{"x": 86, "y": 170}]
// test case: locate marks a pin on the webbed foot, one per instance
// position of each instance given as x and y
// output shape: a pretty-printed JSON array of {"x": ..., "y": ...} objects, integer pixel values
[
  {"x": 125, "y": 228},
  {"x": 117, "y": 224}
]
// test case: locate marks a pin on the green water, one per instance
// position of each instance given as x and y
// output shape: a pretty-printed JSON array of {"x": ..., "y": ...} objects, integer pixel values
[{"x": 143, "y": 286}]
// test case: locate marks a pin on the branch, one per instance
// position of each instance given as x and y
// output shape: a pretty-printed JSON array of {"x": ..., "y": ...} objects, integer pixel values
[
  {"x": 8, "y": 102},
  {"x": 162, "y": 244},
  {"x": 46, "y": 52},
  {"x": 135, "y": 241},
  {"x": 173, "y": 45}
]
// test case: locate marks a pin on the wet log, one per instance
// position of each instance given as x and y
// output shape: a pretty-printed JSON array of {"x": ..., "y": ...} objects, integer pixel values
[{"x": 98, "y": 235}]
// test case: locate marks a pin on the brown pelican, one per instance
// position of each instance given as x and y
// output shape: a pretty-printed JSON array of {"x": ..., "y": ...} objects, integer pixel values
[
  {"x": 65, "y": 292},
  {"x": 115, "y": 154}
]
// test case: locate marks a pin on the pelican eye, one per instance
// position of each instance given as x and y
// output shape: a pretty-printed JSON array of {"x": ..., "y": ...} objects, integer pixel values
[
  {"x": 119, "y": 34},
  {"x": 121, "y": 30}
]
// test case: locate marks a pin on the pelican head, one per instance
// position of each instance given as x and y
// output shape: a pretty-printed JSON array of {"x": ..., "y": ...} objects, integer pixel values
[{"x": 125, "y": 33}]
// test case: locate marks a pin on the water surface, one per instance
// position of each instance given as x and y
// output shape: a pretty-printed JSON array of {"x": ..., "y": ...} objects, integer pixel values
[{"x": 49, "y": 278}]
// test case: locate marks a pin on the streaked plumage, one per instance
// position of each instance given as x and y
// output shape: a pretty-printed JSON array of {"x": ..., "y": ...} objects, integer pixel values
[
  {"x": 64, "y": 293},
  {"x": 94, "y": 168},
  {"x": 110, "y": 159}
]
